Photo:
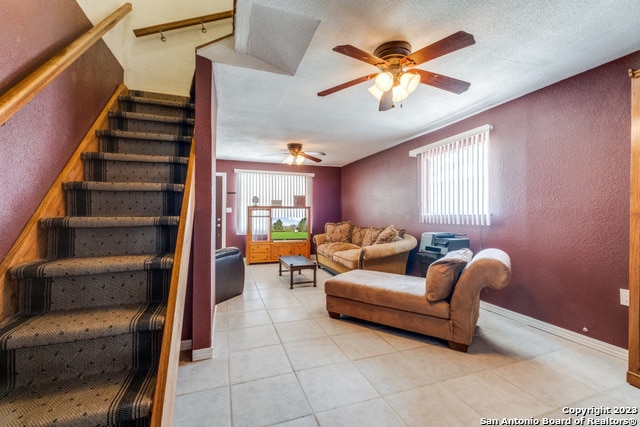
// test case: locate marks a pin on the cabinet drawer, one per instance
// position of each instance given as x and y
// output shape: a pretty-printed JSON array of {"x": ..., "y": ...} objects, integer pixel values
[
  {"x": 260, "y": 249},
  {"x": 260, "y": 257}
]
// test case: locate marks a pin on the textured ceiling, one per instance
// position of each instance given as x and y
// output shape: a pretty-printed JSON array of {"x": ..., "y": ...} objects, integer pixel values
[{"x": 268, "y": 76}]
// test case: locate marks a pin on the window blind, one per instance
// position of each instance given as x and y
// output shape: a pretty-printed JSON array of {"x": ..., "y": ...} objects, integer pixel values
[
  {"x": 454, "y": 179},
  {"x": 269, "y": 186}
]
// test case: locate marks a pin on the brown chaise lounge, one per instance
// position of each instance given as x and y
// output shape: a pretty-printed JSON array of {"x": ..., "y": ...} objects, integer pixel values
[{"x": 401, "y": 301}]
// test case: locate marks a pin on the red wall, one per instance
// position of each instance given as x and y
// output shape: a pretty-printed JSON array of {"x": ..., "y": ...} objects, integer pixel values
[
  {"x": 37, "y": 142},
  {"x": 559, "y": 197},
  {"x": 326, "y": 194}
]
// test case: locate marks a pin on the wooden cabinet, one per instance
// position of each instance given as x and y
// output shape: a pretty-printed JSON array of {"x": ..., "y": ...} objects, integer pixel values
[{"x": 277, "y": 230}]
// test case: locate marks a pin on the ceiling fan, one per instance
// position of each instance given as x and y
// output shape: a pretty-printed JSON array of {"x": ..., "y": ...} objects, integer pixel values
[
  {"x": 393, "y": 83},
  {"x": 297, "y": 156}
]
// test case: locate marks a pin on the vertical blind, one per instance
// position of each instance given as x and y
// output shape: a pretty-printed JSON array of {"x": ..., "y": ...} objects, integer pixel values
[
  {"x": 268, "y": 186},
  {"x": 454, "y": 179}
]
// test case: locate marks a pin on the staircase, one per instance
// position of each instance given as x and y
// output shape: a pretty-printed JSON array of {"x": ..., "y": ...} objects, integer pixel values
[{"x": 84, "y": 346}]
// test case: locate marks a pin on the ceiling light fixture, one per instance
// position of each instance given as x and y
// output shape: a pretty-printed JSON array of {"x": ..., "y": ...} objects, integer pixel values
[{"x": 291, "y": 159}]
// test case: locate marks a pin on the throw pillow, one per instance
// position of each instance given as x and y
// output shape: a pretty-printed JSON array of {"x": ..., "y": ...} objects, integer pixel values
[
  {"x": 371, "y": 235},
  {"x": 387, "y": 235},
  {"x": 443, "y": 274},
  {"x": 357, "y": 234},
  {"x": 337, "y": 232}
]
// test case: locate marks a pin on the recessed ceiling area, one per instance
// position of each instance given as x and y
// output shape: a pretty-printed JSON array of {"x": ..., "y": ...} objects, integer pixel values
[{"x": 268, "y": 76}]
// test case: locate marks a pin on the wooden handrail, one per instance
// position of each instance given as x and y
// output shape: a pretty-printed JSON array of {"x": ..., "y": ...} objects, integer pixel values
[
  {"x": 165, "y": 393},
  {"x": 175, "y": 25},
  {"x": 18, "y": 96}
]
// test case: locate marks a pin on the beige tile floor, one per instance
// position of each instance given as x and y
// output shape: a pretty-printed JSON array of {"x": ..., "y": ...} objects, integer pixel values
[{"x": 280, "y": 360}]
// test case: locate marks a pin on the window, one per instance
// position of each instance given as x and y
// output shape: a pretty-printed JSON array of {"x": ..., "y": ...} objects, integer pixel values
[
  {"x": 454, "y": 179},
  {"x": 268, "y": 186}
]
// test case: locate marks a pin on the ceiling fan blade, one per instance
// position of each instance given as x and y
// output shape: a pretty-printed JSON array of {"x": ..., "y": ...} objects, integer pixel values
[
  {"x": 386, "y": 101},
  {"x": 442, "y": 47},
  {"x": 347, "y": 84},
  {"x": 442, "y": 82},
  {"x": 360, "y": 55},
  {"x": 306, "y": 156}
]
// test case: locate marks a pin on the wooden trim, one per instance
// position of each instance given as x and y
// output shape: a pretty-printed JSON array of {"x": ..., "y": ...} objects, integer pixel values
[
  {"x": 28, "y": 246},
  {"x": 634, "y": 74},
  {"x": 18, "y": 96},
  {"x": 633, "y": 375},
  {"x": 175, "y": 25},
  {"x": 213, "y": 41},
  {"x": 165, "y": 393}
]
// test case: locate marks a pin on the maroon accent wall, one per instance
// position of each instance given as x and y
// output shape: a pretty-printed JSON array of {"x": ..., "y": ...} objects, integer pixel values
[
  {"x": 326, "y": 195},
  {"x": 560, "y": 198},
  {"x": 36, "y": 143}
]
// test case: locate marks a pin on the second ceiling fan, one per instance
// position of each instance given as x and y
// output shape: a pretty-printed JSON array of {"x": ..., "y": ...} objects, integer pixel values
[{"x": 393, "y": 83}]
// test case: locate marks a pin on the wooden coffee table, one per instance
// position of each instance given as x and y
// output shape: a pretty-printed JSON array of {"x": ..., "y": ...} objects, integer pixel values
[{"x": 297, "y": 263}]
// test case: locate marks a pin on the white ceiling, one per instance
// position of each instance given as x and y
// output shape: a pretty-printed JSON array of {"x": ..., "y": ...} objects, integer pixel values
[{"x": 267, "y": 77}]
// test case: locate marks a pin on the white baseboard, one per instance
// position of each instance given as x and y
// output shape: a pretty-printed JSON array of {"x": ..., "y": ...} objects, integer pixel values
[
  {"x": 604, "y": 347},
  {"x": 202, "y": 354},
  {"x": 199, "y": 354}
]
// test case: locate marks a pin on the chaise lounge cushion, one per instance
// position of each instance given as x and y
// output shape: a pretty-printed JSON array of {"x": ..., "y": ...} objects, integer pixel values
[
  {"x": 443, "y": 274},
  {"x": 383, "y": 289}
]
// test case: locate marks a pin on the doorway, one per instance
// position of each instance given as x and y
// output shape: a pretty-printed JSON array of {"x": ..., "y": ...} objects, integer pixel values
[{"x": 221, "y": 209}]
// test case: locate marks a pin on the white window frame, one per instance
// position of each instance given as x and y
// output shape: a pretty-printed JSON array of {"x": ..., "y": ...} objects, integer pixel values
[
  {"x": 454, "y": 179},
  {"x": 275, "y": 185}
]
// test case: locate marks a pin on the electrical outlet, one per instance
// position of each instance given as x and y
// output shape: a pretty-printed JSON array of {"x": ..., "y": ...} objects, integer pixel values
[{"x": 624, "y": 297}]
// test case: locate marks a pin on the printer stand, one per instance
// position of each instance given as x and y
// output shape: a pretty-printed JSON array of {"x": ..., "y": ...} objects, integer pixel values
[{"x": 426, "y": 259}]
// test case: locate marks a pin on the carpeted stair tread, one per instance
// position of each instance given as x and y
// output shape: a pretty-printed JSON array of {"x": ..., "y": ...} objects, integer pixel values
[
  {"x": 95, "y": 401},
  {"x": 140, "y": 158},
  {"x": 172, "y": 101},
  {"x": 111, "y": 221},
  {"x": 147, "y": 136},
  {"x": 90, "y": 265},
  {"x": 78, "y": 236},
  {"x": 151, "y": 117},
  {"x": 121, "y": 186},
  {"x": 75, "y": 325}
]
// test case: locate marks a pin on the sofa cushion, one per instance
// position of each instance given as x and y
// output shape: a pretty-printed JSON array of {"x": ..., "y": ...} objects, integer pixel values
[
  {"x": 357, "y": 234},
  {"x": 329, "y": 249},
  {"x": 371, "y": 235},
  {"x": 387, "y": 235},
  {"x": 350, "y": 258},
  {"x": 397, "y": 291},
  {"x": 443, "y": 274},
  {"x": 337, "y": 232}
]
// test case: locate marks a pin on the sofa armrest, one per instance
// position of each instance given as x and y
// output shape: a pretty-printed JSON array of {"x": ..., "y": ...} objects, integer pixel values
[
  {"x": 319, "y": 239},
  {"x": 489, "y": 268},
  {"x": 389, "y": 249}
]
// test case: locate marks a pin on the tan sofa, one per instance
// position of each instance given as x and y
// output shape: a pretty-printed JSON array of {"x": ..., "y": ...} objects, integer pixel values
[
  {"x": 344, "y": 247},
  {"x": 442, "y": 305}
]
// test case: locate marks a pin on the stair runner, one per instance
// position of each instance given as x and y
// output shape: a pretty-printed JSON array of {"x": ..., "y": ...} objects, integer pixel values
[{"x": 84, "y": 347}]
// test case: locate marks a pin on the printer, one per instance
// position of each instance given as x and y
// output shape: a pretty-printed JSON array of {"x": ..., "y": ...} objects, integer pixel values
[{"x": 435, "y": 245}]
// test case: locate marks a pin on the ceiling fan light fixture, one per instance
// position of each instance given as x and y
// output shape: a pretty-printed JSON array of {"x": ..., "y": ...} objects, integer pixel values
[
  {"x": 377, "y": 93},
  {"x": 384, "y": 81},
  {"x": 291, "y": 159},
  {"x": 399, "y": 93},
  {"x": 409, "y": 81}
]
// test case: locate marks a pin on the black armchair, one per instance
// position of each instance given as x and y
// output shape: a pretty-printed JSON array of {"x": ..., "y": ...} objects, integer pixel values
[{"x": 229, "y": 273}]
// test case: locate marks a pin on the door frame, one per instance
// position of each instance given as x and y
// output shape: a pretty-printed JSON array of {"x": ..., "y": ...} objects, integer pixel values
[{"x": 221, "y": 200}]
